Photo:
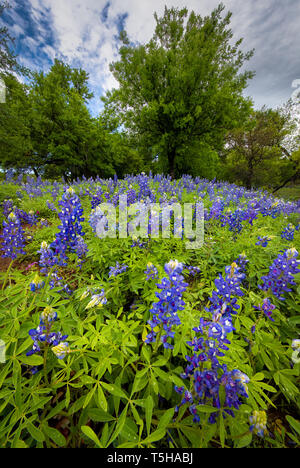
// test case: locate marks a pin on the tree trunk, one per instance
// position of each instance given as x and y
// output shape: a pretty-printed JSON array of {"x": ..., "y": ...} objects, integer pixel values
[{"x": 35, "y": 172}]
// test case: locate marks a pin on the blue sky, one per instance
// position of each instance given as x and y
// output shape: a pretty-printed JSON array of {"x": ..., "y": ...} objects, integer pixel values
[{"x": 84, "y": 33}]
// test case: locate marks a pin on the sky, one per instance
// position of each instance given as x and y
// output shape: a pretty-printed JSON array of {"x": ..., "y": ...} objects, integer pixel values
[{"x": 85, "y": 34}]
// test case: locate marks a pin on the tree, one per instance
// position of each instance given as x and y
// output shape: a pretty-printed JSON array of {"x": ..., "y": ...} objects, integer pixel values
[
  {"x": 46, "y": 124},
  {"x": 181, "y": 92},
  {"x": 15, "y": 142},
  {"x": 255, "y": 152},
  {"x": 46, "y": 127}
]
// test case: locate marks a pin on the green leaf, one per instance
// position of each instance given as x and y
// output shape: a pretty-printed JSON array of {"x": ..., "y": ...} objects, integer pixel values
[
  {"x": 258, "y": 376},
  {"x": 35, "y": 433},
  {"x": 33, "y": 360},
  {"x": 119, "y": 426},
  {"x": 98, "y": 415},
  {"x": 89, "y": 396},
  {"x": 146, "y": 353},
  {"x": 148, "y": 411},
  {"x": 155, "y": 436},
  {"x": 114, "y": 390},
  {"x": 129, "y": 431},
  {"x": 165, "y": 418},
  {"x": 55, "y": 435},
  {"x": 222, "y": 430},
  {"x": 206, "y": 409},
  {"x": 294, "y": 423},
  {"x": 101, "y": 398},
  {"x": 244, "y": 441},
  {"x": 162, "y": 374},
  {"x": 88, "y": 431},
  {"x": 140, "y": 382}
]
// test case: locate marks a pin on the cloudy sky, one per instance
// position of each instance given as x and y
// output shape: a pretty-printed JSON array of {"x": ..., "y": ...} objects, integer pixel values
[{"x": 84, "y": 33}]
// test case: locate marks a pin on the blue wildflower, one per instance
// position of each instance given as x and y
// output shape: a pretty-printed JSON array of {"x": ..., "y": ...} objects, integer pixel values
[
  {"x": 165, "y": 311},
  {"x": 13, "y": 241}
]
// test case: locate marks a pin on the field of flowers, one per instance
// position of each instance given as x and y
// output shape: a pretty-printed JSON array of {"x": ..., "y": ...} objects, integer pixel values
[{"x": 140, "y": 342}]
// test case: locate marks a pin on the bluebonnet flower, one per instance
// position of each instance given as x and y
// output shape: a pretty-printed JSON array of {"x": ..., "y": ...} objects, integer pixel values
[
  {"x": 258, "y": 421},
  {"x": 47, "y": 261},
  {"x": 288, "y": 232},
  {"x": 131, "y": 195},
  {"x": 97, "y": 198},
  {"x": 42, "y": 335},
  {"x": 27, "y": 218},
  {"x": 193, "y": 270},
  {"x": 8, "y": 206},
  {"x": 263, "y": 241},
  {"x": 281, "y": 274},
  {"x": 267, "y": 308},
  {"x": 226, "y": 289},
  {"x": 136, "y": 242},
  {"x": 61, "y": 350},
  {"x": 51, "y": 206},
  {"x": 242, "y": 262},
  {"x": 216, "y": 209},
  {"x": 151, "y": 271},
  {"x": 210, "y": 343},
  {"x": 206, "y": 390},
  {"x": 233, "y": 220},
  {"x": 9, "y": 175},
  {"x": 145, "y": 190},
  {"x": 165, "y": 311},
  {"x": 36, "y": 283},
  {"x": 70, "y": 228},
  {"x": 47, "y": 258},
  {"x": 97, "y": 300},
  {"x": 117, "y": 269},
  {"x": 48, "y": 315},
  {"x": 56, "y": 281},
  {"x": 98, "y": 218},
  {"x": 13, "y": 241},
  {"x": 296, "y": 344},
  {"x": 44, "y": 222},
  {"x": 81, "y": 250},
  {"x": 85, "y": 294},
  {"x": 296, "y": 351}
]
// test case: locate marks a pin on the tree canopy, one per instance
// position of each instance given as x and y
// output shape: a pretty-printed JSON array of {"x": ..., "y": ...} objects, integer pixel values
[
  {"x": 181, "y": 92},
  {"x": 46, "y": 126},
  {"x": 257, "y": 152}
]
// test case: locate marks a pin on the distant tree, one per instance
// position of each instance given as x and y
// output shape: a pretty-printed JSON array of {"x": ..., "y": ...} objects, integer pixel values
[
  {"x": 46, "y": 127},
  {"x": 256, "y": 153},
  {"x": 121, "y": 150},
  {"x": 15, "y": 142},
  {"x": 181, "y": 92},
  {"x": 290, "y": 171}
]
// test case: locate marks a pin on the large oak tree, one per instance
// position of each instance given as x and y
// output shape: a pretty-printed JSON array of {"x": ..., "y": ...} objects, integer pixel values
[{"x": 181, "y": 92}]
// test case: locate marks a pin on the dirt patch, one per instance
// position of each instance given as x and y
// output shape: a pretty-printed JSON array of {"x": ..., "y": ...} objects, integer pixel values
[{"x": 4, "y": 263}]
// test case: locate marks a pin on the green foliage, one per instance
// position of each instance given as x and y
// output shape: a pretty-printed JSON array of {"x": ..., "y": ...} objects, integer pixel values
[
  {"x": 46, "y": 127},
  {"x": 182, "y": 91},
  {"x": 256, "y": 154},
  {"x": 8, "y": 191}
]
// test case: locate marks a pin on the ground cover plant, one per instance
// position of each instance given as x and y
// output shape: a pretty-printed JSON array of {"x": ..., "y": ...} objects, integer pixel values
[{"x": 140, "y": 342}]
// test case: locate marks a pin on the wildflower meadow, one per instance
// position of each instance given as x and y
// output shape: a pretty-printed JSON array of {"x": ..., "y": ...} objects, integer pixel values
[{"x": 137, "y": 341}]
